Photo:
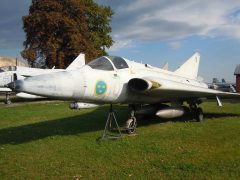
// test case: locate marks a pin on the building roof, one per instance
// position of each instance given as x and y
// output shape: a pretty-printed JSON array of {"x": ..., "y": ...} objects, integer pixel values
[{"x": 237, "y": 70}]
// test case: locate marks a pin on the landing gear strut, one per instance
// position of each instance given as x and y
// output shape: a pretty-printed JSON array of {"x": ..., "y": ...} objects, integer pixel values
[{"x": 197, "y": 112}]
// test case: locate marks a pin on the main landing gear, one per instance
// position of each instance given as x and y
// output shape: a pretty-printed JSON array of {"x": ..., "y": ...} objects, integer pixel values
[{"x": 196, "y": 111}]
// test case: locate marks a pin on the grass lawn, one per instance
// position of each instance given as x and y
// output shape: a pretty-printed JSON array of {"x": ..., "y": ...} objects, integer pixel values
[{"x": 50, "y": 141}]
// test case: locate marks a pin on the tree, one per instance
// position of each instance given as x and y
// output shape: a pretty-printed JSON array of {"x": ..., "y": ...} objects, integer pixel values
[{"x": 58, "y": 30}]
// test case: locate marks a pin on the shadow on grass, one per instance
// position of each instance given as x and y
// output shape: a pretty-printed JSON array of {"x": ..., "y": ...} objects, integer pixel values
[
  {"x": 220, "y": 115},
  {"x": 92, "y": 121},
  {"x": 185, "y": 118}
]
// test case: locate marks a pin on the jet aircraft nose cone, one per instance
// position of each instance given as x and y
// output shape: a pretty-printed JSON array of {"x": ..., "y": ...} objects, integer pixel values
[
  {"x": 54, "y": 85},
  {"x": 16, "y": 85}
]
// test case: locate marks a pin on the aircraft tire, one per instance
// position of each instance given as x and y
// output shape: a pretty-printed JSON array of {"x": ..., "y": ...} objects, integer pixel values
[
  {"x": 186, "y": 110},
  {"x": 131, "y": 125},
  {"x": 199, "y": 114}
]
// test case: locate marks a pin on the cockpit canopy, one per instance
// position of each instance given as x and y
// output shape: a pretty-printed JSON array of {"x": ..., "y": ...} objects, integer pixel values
[
  {"x": 106, "y": 63},
  {"x": 118, "y": 62}
]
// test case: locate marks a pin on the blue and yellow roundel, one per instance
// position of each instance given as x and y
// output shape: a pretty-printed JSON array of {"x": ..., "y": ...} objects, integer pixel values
[{"x": 100, "y": 88}]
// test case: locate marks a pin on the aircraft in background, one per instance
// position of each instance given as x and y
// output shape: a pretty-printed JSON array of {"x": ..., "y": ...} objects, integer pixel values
[
  {"x": 222, "y": 86},
  {"x": 112, "y": 79},
  {"x": 9, "y": 74}
]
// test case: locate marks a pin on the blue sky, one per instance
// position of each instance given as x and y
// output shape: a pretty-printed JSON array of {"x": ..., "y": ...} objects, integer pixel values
[{"x": 155, "y": 32}]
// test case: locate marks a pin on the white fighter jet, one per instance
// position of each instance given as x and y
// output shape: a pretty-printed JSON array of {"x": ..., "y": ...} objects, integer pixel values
[{"x": 111, "y": 80}]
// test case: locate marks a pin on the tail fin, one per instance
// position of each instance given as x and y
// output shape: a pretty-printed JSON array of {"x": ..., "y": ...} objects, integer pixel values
[
  {"x": 77, "y": 63},
  {"x": 165, "y": 66},
  {"x": 215, "y": 80},
  {"x": 190, "y": 67}
]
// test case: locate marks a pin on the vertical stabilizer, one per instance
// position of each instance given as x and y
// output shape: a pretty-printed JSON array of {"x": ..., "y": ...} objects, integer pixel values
[
  {"x": 190, "y": 68},
  {"x": 77, "y": 63},
  {"x": 165, "y": 66},
  {"x": 215, "y": 80}
]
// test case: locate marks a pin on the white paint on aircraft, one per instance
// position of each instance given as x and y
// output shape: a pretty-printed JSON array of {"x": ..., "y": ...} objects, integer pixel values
[{"x": 16, "y": 72}]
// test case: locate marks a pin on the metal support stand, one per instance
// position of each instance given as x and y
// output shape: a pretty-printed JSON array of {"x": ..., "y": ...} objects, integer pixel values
[
  {"x": 108, "y": 127},
  {"x": 7, "y": 100}
]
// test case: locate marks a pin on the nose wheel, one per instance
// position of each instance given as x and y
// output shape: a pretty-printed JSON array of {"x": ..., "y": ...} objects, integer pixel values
[{"x": 131, "y": 125}]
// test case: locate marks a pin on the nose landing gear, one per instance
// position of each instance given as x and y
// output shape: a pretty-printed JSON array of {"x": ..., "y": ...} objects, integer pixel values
[{"x": 131, "y": 125}]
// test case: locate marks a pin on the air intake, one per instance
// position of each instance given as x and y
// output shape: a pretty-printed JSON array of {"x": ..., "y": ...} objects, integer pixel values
[{"x": 137, "y": 84}]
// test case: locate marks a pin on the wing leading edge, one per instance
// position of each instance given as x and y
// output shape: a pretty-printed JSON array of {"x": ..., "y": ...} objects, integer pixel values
[{"x": 169, "y": 91}]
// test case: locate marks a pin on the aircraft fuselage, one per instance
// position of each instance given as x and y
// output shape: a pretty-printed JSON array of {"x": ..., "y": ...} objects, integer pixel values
[{"x": 99, "y": 86}]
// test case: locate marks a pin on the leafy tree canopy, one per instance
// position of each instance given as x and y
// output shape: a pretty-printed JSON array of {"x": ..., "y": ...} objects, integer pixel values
[{"x": 58, "y": 30}]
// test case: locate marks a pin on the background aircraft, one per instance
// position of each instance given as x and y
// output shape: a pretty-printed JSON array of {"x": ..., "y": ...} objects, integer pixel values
[
  {"x": 111, "y": 79},
  {"x": 222, "y": 86}
]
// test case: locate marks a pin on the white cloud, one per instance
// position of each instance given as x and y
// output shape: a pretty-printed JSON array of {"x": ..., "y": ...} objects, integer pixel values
[
  {"x": 120, "y": 44},
  {"x": 174, "y": 45},
  {"x": 172, "y": 20}
]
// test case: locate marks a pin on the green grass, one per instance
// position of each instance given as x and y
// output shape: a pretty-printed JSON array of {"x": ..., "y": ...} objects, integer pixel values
[{"x": 49, "y": 141}]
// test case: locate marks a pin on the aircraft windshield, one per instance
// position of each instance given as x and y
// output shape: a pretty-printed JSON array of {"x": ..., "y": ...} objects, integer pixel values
[
  {"x": 101, "y": 63},
  {"x": 8, "y": 68},
  {"x": 118, "y": 62}
]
